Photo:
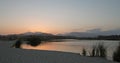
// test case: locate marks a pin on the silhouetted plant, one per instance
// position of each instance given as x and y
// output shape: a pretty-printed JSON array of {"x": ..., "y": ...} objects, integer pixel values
[
  {"x": 99, "y": 50},
  {"x": 84, "y": 52},
  {"x": 17, "y": 44},
  {"x": 102, "y": 50},
  {"x": 34, "y": 41},
  {"x": 93, "y": 50},
  {"x": 116, "y": 54}
]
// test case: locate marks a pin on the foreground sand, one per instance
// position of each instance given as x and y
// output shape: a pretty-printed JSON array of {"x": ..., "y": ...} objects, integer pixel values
[{"x": 13, "y": 55}]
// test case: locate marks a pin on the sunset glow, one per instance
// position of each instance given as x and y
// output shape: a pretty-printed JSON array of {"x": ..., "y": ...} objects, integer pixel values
[{"x": 58, "y": 16}]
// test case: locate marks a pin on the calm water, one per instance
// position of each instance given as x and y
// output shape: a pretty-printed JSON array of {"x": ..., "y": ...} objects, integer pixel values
[{"x": 76, "y": 46}]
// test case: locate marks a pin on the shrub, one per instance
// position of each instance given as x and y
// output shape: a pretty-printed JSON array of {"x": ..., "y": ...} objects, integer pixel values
[
  {"x": 99, "y": 50},
  {"x": 17, "y": 44},
  {"x": 116, "y": 54},
  {"x": 93, "y": 50},
  {"x": 34, "y": 41},
  {"x": 102, "y": 50},
  {"x": 84, "y": 52}
]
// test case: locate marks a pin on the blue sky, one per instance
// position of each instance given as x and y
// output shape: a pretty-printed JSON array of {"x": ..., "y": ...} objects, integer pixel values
[{"x": 58, "y": 16}]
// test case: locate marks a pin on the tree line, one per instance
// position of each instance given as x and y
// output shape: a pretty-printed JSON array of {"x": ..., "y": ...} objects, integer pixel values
[{"x": 51, "y": 37}]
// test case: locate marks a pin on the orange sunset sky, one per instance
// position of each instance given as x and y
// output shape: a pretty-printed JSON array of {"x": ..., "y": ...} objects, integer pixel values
[{"x": 58, "y": 16}]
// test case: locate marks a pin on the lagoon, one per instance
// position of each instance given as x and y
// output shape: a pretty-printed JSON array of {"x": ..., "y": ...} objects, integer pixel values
[{"x": 75, "y": 46}]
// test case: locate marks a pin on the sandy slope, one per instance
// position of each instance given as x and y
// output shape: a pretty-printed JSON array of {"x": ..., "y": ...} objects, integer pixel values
[{"x": 12, "y": 55}]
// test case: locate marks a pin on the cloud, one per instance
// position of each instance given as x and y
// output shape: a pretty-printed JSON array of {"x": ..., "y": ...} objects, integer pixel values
[
  {"x": 96, "y": 30},
  {"x": 99, "y": 31}
]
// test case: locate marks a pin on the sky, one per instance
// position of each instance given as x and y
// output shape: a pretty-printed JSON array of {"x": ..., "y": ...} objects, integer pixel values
[{"x": 58, "y": 16}]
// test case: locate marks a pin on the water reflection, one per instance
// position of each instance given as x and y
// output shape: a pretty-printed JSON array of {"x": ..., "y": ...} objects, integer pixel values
[
  {"x": 75, "y": 46},
  {"x": 55, "y": 46}
]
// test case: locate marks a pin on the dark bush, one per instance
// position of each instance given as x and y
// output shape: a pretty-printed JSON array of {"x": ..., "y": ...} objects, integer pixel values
[
  {"x": 102, "y": 50},
  {"x": 17, "y": 44},
  {"x": 116, "y": 54},
  {"x": 34, "y": 41},
  {"x": 99, "y": 50},
  {"x": 84, "y": 52},
  {"x": 93, "y": 50}
]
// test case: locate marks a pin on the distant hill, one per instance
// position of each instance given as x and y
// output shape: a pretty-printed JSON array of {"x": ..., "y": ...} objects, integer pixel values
[
  {"x": 26, "y": 35},
  {"x": 37, "y": 33},
  {"x": 107, "y": 32},
  {"x": 92, "y": 33},
  {"x": 80, "y": 34}
]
